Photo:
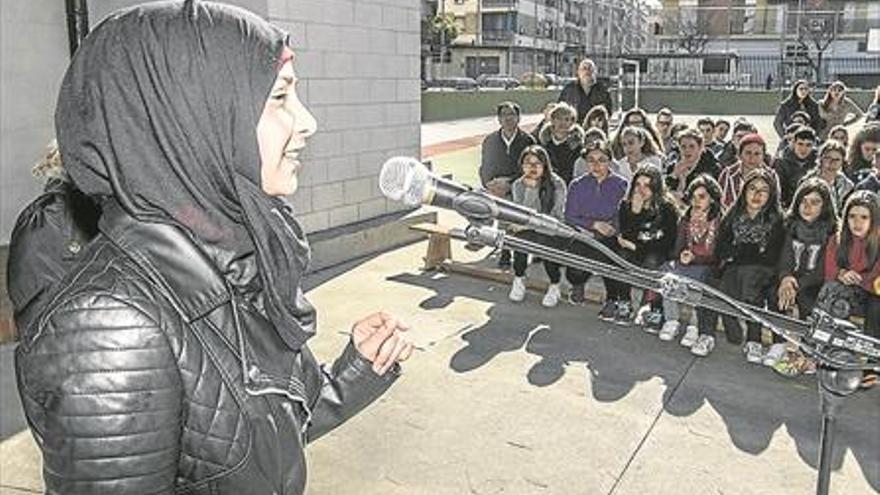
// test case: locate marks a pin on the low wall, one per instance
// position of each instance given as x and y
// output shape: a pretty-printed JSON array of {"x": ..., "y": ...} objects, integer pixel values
[{"x": 438, "y": 106}]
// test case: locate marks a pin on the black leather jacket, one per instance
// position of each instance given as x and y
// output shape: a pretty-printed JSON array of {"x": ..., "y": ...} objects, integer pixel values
[{"x": 146, "y": 373}]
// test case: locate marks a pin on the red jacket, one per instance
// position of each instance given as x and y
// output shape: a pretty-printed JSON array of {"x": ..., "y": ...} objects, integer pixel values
[{"x": 858, "y": 262}]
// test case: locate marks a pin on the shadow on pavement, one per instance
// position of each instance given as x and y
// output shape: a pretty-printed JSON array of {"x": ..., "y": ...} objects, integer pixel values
[{"x": 753, "y": 401}]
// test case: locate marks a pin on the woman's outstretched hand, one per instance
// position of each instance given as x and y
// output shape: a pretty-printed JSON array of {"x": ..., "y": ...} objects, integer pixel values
[{"x": 381, "y": 340}]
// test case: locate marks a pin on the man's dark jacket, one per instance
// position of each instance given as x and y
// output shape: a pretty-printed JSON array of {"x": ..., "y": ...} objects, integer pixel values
[
  {"x": 791, "y": 170},
  {"x": 573, "y": 94}
]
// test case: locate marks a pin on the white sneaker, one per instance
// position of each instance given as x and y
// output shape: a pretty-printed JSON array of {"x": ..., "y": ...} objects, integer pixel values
[
  {"x": 640, "y": 315},
  {"x": 754, "y": 352},
  {"x": 518, "y": 289},
  {"x": 691, "y": 335},
  {"x": 551, "y": 298},
  {"x": 669, "y": 330},
  {"x": 703, "y": 346},
  {"x": 774, "y": 354}
]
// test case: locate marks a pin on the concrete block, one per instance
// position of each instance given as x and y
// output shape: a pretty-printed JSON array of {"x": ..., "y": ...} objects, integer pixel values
[
  {"x": 368, "y": 14},
  {"x": 370, "y": 163},
  {"x": 339, "y": 12},
  {"x": 394, "y": 18},
  {"x": 323, "y": 37},
  {"x": 340, "y": 64},
  {"x": 315, "y": 221},
  {"x": 369, "y": 115},
  {"x": 372, "y": 208},
  {"x": 383, "y": 90},
  {"x": 340, "y": 117},
  {"x": 357, "y": 140},
  {"x": 408, "y": 43},
  {"x": 358, "y": 190},
  {"x": 326, "y": 196},
  {"x": 343, "y": 215},
  {"x": 384, "y": 42},
  {"x": 382, "y": 138},
  {"x": 355, "y": 90},
  {"x": 357, "y": 39},
  {"x": 325, "y": 144},
  {"x": 310, "y": 65},
  {"x": 342, "y": 168},
  {"x": 304, "y": 10},
  {"x": 302, "y": 200},
  {"x": 314, "y": 171},
  {"x": 375, "y": 66},
  {"x": 409, "y": 90},
  {"x": 324, "y": 91},
  {"x": 277, "y": 9},
  {"x": 398, "y": 113}
]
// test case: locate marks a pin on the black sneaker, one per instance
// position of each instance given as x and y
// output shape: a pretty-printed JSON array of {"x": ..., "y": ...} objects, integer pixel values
[
  {"x": 576, "y": 296},
  {"x": 624, "y": 314},
  {"x": 653, "y": 320},
  {"x": 609, "y": 309},
  {"x": 504, "y": 260}
]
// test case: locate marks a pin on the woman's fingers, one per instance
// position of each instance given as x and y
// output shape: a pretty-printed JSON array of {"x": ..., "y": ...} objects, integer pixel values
[
  {"x": 393, "y": 356},
  {"x": 384, "y": 353},
  {"x": 371, "y": 345}
]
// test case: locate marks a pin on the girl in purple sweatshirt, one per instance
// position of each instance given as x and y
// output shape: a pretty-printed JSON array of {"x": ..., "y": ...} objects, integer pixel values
[{"x": 592, "y": 204}]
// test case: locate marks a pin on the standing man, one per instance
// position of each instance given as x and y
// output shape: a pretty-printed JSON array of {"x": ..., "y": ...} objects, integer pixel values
[
  {"x": 500, "y": 157},
  {"x": 586, "y": 92}
]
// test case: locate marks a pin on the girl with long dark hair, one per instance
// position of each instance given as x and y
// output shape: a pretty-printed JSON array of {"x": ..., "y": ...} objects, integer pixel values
[
  {"x": 852, "y": 263},
  {"x": 836, "y": 108},
  {"x": 693, "y": 256},
  {"x": 749, "y": 240},
  {"x": 798, "y": 100},
  {"x": 597, "y": 118},
  {"x": 809, "y": 222},
  {"x": 541, "y": 189},
  {"x": 648, "y": 220}
]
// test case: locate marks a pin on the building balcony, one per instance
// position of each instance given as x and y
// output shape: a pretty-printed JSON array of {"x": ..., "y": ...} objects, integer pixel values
[
  {"x": 496, "y": 4},
  {"x": 498, "y": 36}
]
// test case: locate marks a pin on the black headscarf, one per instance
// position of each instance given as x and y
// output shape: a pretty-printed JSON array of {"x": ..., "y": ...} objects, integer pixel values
[{"x": 158, "y": 112}]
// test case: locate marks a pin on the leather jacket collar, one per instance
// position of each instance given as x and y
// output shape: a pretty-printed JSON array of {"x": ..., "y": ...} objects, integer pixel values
[{"x": 189, "y": 276}]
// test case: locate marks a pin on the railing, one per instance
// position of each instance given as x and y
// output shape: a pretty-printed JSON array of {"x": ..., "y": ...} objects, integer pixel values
[
  {"x": 499, "y": 3},
  {"x": 495, "y": 36}
]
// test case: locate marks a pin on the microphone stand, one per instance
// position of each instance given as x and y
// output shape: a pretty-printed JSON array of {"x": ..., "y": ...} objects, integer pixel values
[{"x": 841, "y": 350}]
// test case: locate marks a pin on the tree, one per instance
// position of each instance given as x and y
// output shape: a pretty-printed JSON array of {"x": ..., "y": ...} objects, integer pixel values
[
  {"x": 817, "y": 31},
  {"x": 693, "y": 36}
]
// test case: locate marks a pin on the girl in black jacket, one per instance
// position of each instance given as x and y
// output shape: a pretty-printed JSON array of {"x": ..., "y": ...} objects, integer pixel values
[
  {"x": 749, "y": 240},
  {"x": 808, "y": 224},
  {"x": 648, "y": 223},
  {"x": 798, "y": 99}
]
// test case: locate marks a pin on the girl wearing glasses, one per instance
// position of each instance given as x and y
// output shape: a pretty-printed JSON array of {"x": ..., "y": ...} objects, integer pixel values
[{"x": 749, "y": 238}]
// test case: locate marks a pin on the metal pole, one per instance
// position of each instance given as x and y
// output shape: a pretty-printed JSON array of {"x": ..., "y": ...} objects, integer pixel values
[
  {"x": 443, "y": 39},
  {"x": 780, "y": 72}
]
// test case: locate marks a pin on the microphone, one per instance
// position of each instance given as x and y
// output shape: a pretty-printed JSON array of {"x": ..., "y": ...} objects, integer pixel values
[{"x": 408, "y": 180}]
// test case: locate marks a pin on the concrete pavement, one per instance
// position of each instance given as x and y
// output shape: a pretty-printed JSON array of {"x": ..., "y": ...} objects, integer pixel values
[{"x": 515, "y": 398}]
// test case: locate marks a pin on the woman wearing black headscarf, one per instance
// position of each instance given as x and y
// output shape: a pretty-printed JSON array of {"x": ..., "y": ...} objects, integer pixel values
[{"x": 172, "y": 357}]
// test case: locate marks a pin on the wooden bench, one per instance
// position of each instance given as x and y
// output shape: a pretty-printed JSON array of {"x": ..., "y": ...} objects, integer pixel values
[{"x": 439, "y": 247}]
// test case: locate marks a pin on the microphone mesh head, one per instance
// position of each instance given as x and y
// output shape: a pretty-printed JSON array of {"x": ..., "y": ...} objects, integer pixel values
[{"x": 404, "y": 179}]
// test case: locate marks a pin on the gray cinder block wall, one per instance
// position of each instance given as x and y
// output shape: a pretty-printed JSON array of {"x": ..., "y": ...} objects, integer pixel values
[{"x": 358, "y": 62}]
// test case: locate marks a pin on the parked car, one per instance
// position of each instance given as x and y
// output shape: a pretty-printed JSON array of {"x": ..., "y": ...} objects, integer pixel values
[
  {"x": 552, "y": 79},
  {"x": 533, "y": 80},
  {"x": 499, "y": 82},
  {"x": 455, "y": 83},
  {"x": 564, "y": 81}
]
